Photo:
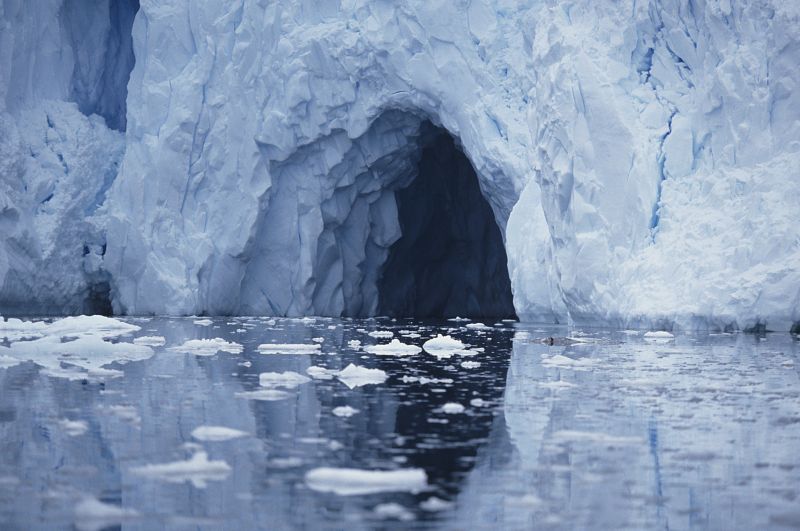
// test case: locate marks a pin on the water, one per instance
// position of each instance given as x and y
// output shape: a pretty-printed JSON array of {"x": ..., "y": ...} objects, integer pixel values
[{"x": 702, "y": 432}]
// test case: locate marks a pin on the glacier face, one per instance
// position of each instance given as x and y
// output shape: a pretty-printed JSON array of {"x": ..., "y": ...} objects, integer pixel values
[{"x": 639, "y": 158}]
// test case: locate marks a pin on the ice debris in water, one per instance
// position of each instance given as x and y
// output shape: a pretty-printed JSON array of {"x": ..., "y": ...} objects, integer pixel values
[
  {"x": 459, "y": 319},
  {"x": 208, "y": 347},
  {"x": 197, "y": 470},
  {"x": 321, "y": 373},
  {"x": 381, "y": 333},
  {"x": 452, "y": 408},
  {"x": 394, "y": 348},
  {"x": 93, "y": 515},
  {"x": 353, "y": 481},
  {"x": 344, "y": 411},
  {"x": 444, "y": 346},
  {"x": 73, "y": 326},
  {"x": 477, "y": 326},
  {"x": 216, "y": 433},
  {"x": 393, "y": 511},
  {"x": 73, "y": 428},
  {"x": 354, "y": 343},
  {"x": 470, "y": 364},
  {"x": 434, "y": 504},
  {"x": 478, "y": 402},
  {"x": 355, "y": 376},
  {"x": 267, "y": 395},
  {"x": 658, "y": 336},
  {"x": 149, "y": 341},
  {"x": 204, "y": 322},
  {"x": 287, "y": 379},
  {"x": 289, "y": 348}
]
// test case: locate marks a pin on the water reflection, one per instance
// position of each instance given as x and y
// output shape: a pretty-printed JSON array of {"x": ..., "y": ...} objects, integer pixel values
[{"x": 611, "y": 432}]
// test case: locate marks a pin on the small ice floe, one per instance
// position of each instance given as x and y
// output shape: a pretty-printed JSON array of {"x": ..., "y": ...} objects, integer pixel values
[
  {"x": 8, "y": 361},
  {"x": 354, "y": 343},
  {"x": 344, "y": 411},
  {"x": 289, "y": 348},
  {"x": 478, "y": 402},
  {"x": 217, "y": 433},
  {"x": 93, "y": 515},
  {"x": 425, "y": 381},
  {"x": 631, "y": 332},
  {"x": 411, "y": 335},
  {"x": 149, "y": 341},
  {"x": 452, "y": 408},
  {"x": 394, "y": 348},
  {"x": 197, "y": 470},
  {"x": 284, "y": 463},
  {"x": 381, "y": 333},
  {"x": 392, "y": 511},
  {"x": 321, "y": 373},
  {"x": 459, "y": 319},
  {"x": 477, "y": 326},
  {"x": 470, "y": 364},
  {"x": 559, "y": 361},
  {"x": 557, "y": 385},
  {"x": 444, "y": 346},
  {"x": 659, "y": 336},
  {"x": 73, "y": 428},
  {"x": 353, "y": 481},
  {"x": 74, "y": 326},
  {"x": 318, "y": 339},
  {"x": 434, "y": 504},
  {"x": 355, "y": 376},
  {"x": 287, "y": 379},
  {"x": 208, "y": 347},
  {"x": 204, "y": 322},
  {"x": 266, "y": 395}
]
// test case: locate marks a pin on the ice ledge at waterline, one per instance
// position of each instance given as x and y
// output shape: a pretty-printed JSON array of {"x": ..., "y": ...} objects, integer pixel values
[{"x": 639, "y": 158}]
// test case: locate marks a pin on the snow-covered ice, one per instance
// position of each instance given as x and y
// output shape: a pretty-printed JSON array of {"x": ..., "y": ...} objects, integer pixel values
[
  {"x": 344, "y": 411},
  {"x": 356, "y": 376},
  {"x": 394, "y": 348},
  {"x": 452, "y": 408},
  {"x": 286, "y": 379},
  {"x": 150, "y": 341},
  {"x": 208, "y": 347}
]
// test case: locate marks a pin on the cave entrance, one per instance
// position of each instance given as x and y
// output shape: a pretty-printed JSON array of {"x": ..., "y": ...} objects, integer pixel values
[{"x": 450, "y": 260}]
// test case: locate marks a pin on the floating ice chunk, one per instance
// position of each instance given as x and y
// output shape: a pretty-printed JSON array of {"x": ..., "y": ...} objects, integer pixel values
[
  {"x": 459, "y": 319},
  {"x": 204, "y": 322},
  {"x": 393, "y": 511},
  {"x": 443, "y": 346},
  {"x": 93, "y": 515},
  {"x": 208, "y": 347},
  {"x": 267, "y": 395},
  {"x": 97, "y": 325},
  {"x": 355, "y": 376},
  {"x": 150, "y": 341},
  {"x": 559, "y": 361},
  {"x": 289, "y": 348},
  {"x": 318, "y": 339},
  {"x": 411, "y": 335},
  {"x": 354, "y": 343},
  {"x": 321, "y": 373},
  {"x": 477, "y": 326},
  {"x": 8, "y": 361},
  {"x": 197, "y": 470},
  {"x": 394, "y": 348},
  {"x": 470, "y": 364},
  {"x": 631, "y": 332},
  {"x": 659, "y": 336},
  {"x": 424, "y": 380},
  {"x": 216, "y": 433},
  {"x": 88, "y": 353},
  {"x": 381, "y": 333},
  {"x": 452, "y": 408},
  {"x": 344, "y": 411},
  {"x": 287, "y": 379},
  {"x": 73, "y": 428},
  {"x": 14, "y": 329},
  {"x": 353, "y": 481},
  {"x": 478, "y": 402},
  {"x": 434, "y": 504}
]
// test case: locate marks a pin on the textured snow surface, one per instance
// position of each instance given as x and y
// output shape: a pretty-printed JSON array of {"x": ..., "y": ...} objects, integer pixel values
[{"x": 639, "y": 158}]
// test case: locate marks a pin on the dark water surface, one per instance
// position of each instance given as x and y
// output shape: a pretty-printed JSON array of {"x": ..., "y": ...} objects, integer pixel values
[{"x": 700, "y": 432}]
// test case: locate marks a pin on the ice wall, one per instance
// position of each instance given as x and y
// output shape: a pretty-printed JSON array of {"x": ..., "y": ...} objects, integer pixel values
[{"x": 639, "y": 157}]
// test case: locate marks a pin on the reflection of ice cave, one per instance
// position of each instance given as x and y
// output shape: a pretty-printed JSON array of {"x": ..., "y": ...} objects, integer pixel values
[{"x": 402, "y": 229}]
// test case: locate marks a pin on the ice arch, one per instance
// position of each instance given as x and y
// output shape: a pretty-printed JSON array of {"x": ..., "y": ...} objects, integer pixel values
[{"x": 330, "y": 239}]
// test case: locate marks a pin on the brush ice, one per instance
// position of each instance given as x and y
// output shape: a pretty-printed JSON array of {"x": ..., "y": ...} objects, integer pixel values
[
  {"x": 287, "y": 379},
  {"x": 150, "y": 341},
  {"x": 394, "y": 348},
  {"x": 289, "y": 348},
  {"x": 217, "y": 433},
  {"x": 93, "y": 515},
  {"x": 344, "y": 411},
  {"x": 352, "y": 481},
  {"x": 208, "y": 347},
  {"x": 356, "y": 376},
  {"x": 196, "y": 470}
]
